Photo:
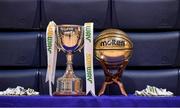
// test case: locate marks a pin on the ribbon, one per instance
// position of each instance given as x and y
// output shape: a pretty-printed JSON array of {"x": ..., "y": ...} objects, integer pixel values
[
  {"x": 51, "y": 54},
  {"x": 88, "y": 55}
]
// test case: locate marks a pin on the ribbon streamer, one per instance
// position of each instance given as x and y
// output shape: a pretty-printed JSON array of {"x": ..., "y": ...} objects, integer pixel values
[
  {"x": 51, "y": 54},
  {"x": 88, "y": 54}
]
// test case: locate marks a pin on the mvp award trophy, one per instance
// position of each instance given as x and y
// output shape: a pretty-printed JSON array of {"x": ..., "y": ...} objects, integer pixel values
[
  {"x": 69, "y": 39},
  {"x": 113, "y": 49}
]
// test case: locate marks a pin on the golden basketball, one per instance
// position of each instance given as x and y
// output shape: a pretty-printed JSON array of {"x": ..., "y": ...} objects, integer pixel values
[{"x": 113, "y": 46}]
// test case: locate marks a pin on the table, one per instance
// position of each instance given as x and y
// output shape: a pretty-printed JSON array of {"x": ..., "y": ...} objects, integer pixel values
[{"x": 88, "y": 101}]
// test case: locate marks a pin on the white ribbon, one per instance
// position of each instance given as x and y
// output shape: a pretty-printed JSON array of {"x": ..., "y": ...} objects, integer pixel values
[
  {"x": 88, "y": 55},
  {"x": 51, "y": 54}
]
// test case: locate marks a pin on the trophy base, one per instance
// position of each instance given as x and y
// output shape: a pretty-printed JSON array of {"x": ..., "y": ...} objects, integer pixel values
[
  {"x": 69, "y": 85},
  {"x": 111, "y": 78},
  {"x": 120, "y": 84}
]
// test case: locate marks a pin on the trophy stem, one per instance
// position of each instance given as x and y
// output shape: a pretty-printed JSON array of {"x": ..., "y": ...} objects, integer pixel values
[{"x": 69, "y": 68}]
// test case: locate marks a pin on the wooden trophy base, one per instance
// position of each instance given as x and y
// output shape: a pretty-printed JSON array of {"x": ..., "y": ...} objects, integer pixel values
[{"x": 113, "y": 78}]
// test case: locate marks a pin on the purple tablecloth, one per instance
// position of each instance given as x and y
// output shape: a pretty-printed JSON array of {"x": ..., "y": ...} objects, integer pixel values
[{"x": 89, "y": 101}]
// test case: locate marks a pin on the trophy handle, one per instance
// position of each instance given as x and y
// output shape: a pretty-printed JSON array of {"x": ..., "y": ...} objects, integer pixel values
[{"x": 81, "y": 47}]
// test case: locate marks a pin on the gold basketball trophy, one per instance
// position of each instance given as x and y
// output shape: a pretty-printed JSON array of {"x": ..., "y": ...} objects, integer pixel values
[
  {"x": 113, "y": 49},
  {"x": 69, "y": 40}
]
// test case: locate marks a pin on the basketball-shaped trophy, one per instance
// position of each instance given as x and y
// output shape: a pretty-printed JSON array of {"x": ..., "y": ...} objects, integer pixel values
[{"x": 113, "y": 48}]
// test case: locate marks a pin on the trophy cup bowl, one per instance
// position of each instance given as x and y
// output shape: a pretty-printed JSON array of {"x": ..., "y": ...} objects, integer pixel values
[
  {"x": 113, "y": 49},
  {"x": 69, "y": 40}
]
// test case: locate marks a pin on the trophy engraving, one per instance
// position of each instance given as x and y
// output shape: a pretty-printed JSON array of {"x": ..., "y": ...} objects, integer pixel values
[
  {"x": 113, "y": 49},
  {"x": 69, "y": 40}
]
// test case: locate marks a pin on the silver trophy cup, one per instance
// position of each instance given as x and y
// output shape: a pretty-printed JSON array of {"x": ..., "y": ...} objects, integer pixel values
[{"x": 69, "y": 40}]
